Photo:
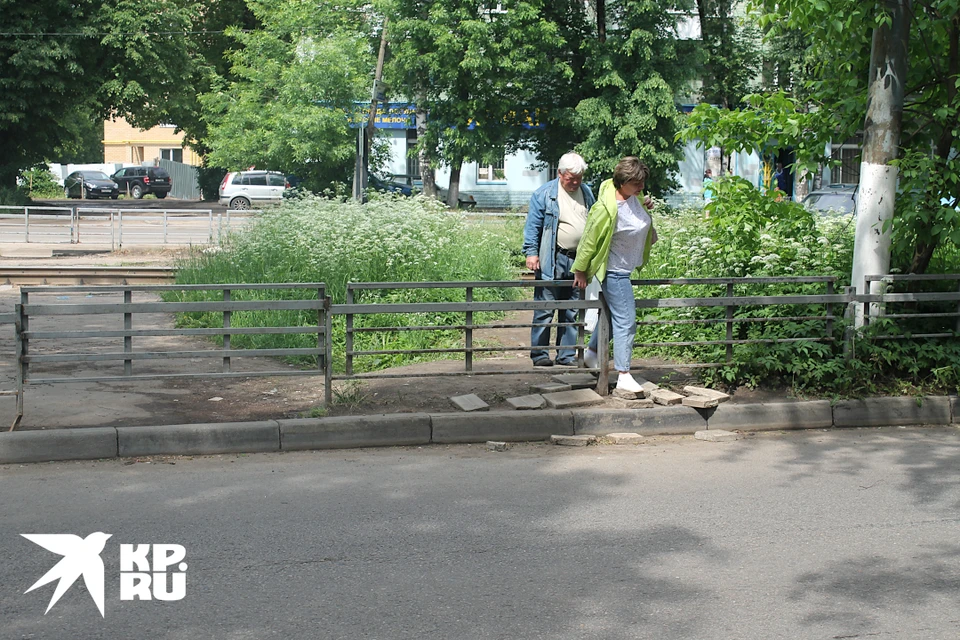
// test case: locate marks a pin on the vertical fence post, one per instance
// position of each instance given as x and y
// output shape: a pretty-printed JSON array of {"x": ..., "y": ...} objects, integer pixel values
[
  {"x": 603, "y": 348},
  {"x": 328, "y": 350},
  {"x": 729, "y": 323},
  {"x": 848, "y": 332},
  {"x": 74, "y": 226},
  {"x": 226, "y": 336},
  {"x": 830, "y": 292},
  {"x": 468, "y": 337},
  {"x": 26, "y": 224},
  {"x": 164, "y": 226},
  {"x": 127, "y": 338},
  {"x": 210, "y": 227},
  {"x": 19, "y": 344},
  {"x": 349, "y": 333},
  {"x": 120, "y": 229},
  {"x": 581, "y": 332}
]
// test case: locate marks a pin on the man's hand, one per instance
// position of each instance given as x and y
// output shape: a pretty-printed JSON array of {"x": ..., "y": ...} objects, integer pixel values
[
  {"x": 580, "y": 279},
  {"x": 533, "y": 263}
]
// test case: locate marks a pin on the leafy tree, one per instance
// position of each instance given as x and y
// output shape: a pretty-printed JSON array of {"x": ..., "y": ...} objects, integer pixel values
[
  {"x": 732, "y": 48},
  {"x": 297, "y": 80},
  {"x": 474, "y": 67}
]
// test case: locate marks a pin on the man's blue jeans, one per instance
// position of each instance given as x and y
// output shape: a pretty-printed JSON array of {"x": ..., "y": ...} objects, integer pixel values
[
  {"x": 618, "y": 293},
  {"x": 540, "y": 335}
]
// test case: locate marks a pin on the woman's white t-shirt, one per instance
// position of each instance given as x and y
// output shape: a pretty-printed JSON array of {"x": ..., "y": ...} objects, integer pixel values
[{"x": 630, "y": 237}]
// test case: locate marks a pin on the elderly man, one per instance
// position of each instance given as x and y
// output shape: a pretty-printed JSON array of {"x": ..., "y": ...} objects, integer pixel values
[{"x": 555, "y": 221}]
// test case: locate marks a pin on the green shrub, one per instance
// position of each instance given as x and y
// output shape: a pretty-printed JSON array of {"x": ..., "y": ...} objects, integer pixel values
[{"x": 40, "y": 183}]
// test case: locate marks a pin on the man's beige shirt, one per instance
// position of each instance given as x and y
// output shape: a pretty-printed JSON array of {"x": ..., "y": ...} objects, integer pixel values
[{"x": 573, "y": 217}]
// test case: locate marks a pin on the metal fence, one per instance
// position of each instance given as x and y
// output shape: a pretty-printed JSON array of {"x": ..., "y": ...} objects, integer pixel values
[
  {"x": 108, "y": 322},
  {"x": 116, "y": 228},
  {"x": 184, "y": 179}
]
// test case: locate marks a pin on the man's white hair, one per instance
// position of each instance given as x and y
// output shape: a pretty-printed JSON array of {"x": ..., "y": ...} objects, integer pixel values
[{"x": 572, "y": 163}]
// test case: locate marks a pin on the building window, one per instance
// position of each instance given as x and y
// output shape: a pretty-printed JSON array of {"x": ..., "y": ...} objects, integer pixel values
[
  {"x": 847, "y": 157},
  {"x": 491, "y": 172},
  {"x": 413, "y": 160},
  {"x": 172, "y": 154}
]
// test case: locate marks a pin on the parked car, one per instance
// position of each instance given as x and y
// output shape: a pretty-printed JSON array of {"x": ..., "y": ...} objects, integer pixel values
[
  {"x": 139, "y": 181},
  {"x": 465, "y": 200},
  {"x": 90, "y": 184},
  {"x": 384, "y": 185},
  {"x": 835, "y": 199},
  {"x": 241, "y": 190}
]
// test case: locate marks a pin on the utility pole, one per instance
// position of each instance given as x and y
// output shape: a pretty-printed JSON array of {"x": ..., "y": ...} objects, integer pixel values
[
  {"x": 881, "y": 142},
  {"x": 365, "y": 138}
]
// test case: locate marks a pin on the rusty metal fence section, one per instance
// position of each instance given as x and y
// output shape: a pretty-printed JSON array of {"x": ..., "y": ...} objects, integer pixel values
[{"x": 119, "y": 332}]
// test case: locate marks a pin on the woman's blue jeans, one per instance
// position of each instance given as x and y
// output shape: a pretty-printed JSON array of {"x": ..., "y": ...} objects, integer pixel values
[{"x": 618, "y": 293}]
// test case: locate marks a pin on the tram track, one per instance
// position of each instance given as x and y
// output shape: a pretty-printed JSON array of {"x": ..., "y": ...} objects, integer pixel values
[{"x": 73, "y": 275}]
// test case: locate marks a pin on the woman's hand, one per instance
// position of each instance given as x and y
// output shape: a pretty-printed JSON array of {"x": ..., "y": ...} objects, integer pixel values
[
  {"x": 647, "y": 203},
  {"x": 580, "y": 279}
]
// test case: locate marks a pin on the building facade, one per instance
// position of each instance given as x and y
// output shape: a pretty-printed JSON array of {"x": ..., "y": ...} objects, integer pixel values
[{"x": 125, "y": 144}]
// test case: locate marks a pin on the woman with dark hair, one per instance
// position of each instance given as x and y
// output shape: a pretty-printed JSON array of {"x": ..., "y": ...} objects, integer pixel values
[{"x": 617, "y": 240}]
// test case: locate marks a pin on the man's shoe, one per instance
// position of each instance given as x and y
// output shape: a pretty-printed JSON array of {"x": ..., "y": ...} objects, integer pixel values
[
  {"x": 569, "y": 362},
  {"x": 543, "y": 362}
]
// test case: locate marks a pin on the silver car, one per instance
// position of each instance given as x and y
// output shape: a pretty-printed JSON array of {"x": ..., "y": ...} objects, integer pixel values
[{"x": 241, "y": 190}]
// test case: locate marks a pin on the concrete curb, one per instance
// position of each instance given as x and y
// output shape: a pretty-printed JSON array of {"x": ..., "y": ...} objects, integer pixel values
[
  {"x": 815, "y": 414},
  {"x": 452, "y": 428},
  {"x": 199, "y": 439},
  {"x": 892, "y": 412}
]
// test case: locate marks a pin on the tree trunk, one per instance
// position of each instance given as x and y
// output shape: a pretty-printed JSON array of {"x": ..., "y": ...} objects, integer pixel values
[
  {"x": 453, "y": 193},
  {"x": 427, "y": 173},
  {"x": 602, "y": 20},
  {"x": 878, "y": 179}
]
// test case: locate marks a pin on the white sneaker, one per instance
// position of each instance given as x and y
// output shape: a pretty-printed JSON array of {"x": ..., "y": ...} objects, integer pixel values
[
  {"x": 626, "y": 382},
  {"x": 590, "y": 358}
]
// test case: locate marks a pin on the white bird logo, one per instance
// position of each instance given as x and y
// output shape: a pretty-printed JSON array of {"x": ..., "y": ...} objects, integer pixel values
[{"x": 81, "y": 557}]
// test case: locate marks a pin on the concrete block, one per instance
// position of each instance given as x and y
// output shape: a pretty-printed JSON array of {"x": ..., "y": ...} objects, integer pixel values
[
  {"x": 534, "y": 401},
  {"x": 665, "y": 397},
  {"x": 646, "y": 384},
  {"x": 497, "y": 446},
  {"x": 469, "y": 402},
  {"x": 573, "y": 398},
  {"x": 650, "y": 422},
  {"x": 549, "y": 387},
  {"x": 199, "y": 439},
  {"x": 954, "y": 409},
  {"x": 58, "y": 444},
  {"x": 700, "y": 402},
  {"x": 620, "y": 403},
  {"x": 624, "y": 438},
  {"x": 355, "y": 431},
  {"x": 717, "y": 435},
  {"x": 573, "y": 441},
  {"x": 713, "y": 394},
  {"x": 577, "y": 380},
  {"x": 773, "y": 416},
  {"x": 892, "y": 412},
  {"x": 629, "y": 395},
  {"x": 506, "y": 426}
]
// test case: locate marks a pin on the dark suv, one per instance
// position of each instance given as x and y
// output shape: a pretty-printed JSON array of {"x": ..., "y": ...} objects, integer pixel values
[{"x": 139, "y": 181}]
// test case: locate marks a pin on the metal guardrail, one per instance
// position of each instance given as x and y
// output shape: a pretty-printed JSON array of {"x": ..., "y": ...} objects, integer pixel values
[
  {"x": 737, "y": 310},
  {"x": 99, "y": 349},
  {"x": 118, "y": 227}
]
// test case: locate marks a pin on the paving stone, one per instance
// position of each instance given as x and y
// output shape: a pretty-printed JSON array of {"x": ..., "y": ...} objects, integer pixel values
[
  {"x": 666, "y": 397},
  {"x": 534, "y": 401},
  {"x": 577, "y": 380},
  {"x": 573, "y": 398},
  {"x": 549, "y": 387},
  {"x": 497, "y": 446},
  {"x": 713, "y": 394},
  {"x": 646, "y": 384},
  {"x": 629, "y": 395},
  {"x": 700, "y": 402},
  {"x": 717, "y": 435},
  {"x": 573, "y": 441},
  {"x": 645, "y": 403},
  {"x": 624, "y": 438},
  {"x": 470, "y": 402}
]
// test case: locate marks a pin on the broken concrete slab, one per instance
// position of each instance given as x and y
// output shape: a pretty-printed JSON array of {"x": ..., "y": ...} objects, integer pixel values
[
  {"x": 549, "y": 387},
  {"x": 666, "y": 397},
  {"x": 497, "y": 446},
  {"x": 624, "y": 438},
  {"x": 469, "y": 402},
  {"x": 533, "y": 401},
  {"x": 577, "y": 380},
  {"x": 620, "y": 403},
  {"x": 717, "y": 435},
  {"x": 573, "y": 398},
  {"x": 573, "y": 441},
  {"x": 700, "y": 402},
  {"x": 713, "y": 394},
  {"x": 629, "y": 395}
]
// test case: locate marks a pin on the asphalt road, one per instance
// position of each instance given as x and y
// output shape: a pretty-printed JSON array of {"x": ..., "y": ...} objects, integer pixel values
[{"x": 843, "y": 534}]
